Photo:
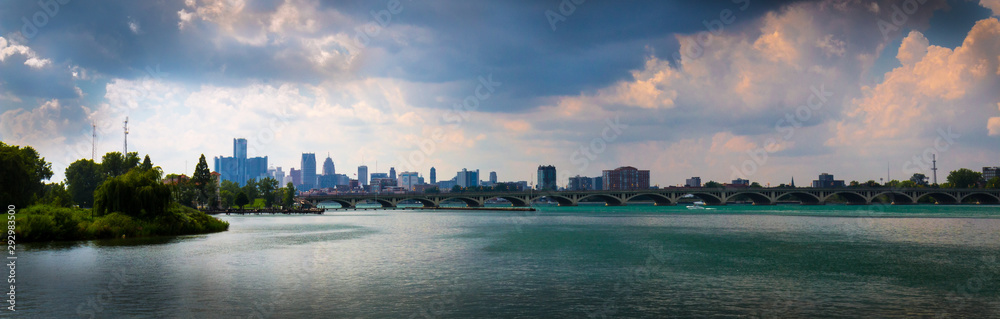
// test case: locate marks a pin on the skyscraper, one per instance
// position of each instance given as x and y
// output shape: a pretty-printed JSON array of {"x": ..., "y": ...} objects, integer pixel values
[
  {"x": 408, "y": 180},
  {"x": 363, "y": 174},
  {"x": 626, "y": 178},
  {"x": 467, "y": 178},
  {"x": 239, "y": 168},
  {"x": 328, "y": 168},
  {"x": 392, "y": 172},
  {"x": 547, "y": 178},
  {"x": 433, "y": 176},
  {"x": 308, "y": 171},
  {"x": 493, "y": 177},
  {"x": 240, "y": 154}
]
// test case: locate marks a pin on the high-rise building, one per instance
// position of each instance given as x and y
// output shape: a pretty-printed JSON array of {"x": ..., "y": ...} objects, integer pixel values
[
  {"x": 296, "y": 177},
  {"x": 328, "y": 168},
  {"x": 409, "y": 180},
  {"x": 580, "y": 183},
  {"x": 826, "y": 181},
  {"x": 493, "y": 177},
  {"x": 547, "y": 178},
  {"x": 990, "y": 172},
  {"x": 279, "y": 175},
  {"x": 392, "y": 172},
  {"x": 239, "y": 168},
  {"x": 693, "y": 182},
  {"x": 467, "y": 178},
  {"x": 626, "y": 178},
  {"x": 308, "y": 171},
  {"x": 597, "y": 183},
  {"x": 433, "y": 176},
  {"x": 363, "y": 175},
  {"x": 240, "y": 153}
]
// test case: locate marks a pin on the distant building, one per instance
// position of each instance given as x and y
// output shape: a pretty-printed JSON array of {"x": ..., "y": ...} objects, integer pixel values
[
  {"x": 377, "y": 175},
  {"x": 433, "y": 176},
  {"x": 363, "y": 175},
  {"x": 597, "y": 183},
  {"x": 739, "y": 183},
  {"x": 493, "y": 177},
  {"x": 296, "y": 177},
  {"x": 446, "y": 186},
  {"x": 521, "y": 185},
  {"x": 547, "y": 178},
  {"x": 381, "y": 181},
  {"x": 308, "y": 166},
  {"x": 328, "y": 168},
  {"x": 693, "y": 182},
  {"x": 580, "y": 183},
  {"x": 392, "y": 172},
  {"x": 467, "y": 178},
  {"x": 826, "y": 181},
  {"x": 409, "y": 180},
  {"x": 239, "y": 168},
  {"x": 990, "y": 172},
  {"x": 626, "y": 178}
]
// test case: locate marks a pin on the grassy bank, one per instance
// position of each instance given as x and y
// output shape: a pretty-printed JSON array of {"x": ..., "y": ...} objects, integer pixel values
[{"x": 47, "y": 223}]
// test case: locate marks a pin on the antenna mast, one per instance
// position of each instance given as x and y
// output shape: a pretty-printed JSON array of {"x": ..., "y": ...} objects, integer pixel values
[
  {"x": 126, "y": 136},
  {"x": 934, "y": 167}
]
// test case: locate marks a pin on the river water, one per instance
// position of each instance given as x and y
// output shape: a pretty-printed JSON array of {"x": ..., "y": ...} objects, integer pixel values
[{"x": 586, "y": 261}]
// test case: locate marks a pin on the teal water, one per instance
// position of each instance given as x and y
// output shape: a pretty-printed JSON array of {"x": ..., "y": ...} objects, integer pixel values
[{"x": 562, "y": 262}]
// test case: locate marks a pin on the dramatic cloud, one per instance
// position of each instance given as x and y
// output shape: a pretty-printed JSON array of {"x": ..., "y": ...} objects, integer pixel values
[{"x": 760, "y": 90}]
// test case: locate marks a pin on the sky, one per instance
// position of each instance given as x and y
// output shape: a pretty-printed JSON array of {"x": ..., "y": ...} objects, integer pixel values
[{"x": 761, "y": 90}]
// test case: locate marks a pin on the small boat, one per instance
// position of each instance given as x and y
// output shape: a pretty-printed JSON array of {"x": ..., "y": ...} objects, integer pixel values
[{"x": 697, "y": 205}]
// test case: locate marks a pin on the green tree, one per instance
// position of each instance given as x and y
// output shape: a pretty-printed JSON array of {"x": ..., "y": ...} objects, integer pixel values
[
  {"x": 964, "y": 178},
  {"x": 432, "y": 190},
  {"x": 252, "y": 190},
  {"x": 226, "y": 198},
  {"x": 919, "y": 179},
  {"x": 755, "y": 185},
  {"x": 456, "y": 189},
  {"x": 854, "y": 184},
  {"x": 147, "y": 164},
  {"x": 712, "y": 184},
  {"x": 289, "y": 194},
  {"x": 871, "y": 183},
  {"x": 115, "y": 164},
  {"x": 267, "y": 187},
  {"x": 22, "y": 172},
  {"x": 242, "y": 200},
  {"x": 82, "y": 179},
  {"x": 202, "y": 180},
  {"x": 993, "y": 183},
  {"x": 137, "y": 193},
  {"x": 56, "y": 195},
  {"x": 907, "y": 184}
]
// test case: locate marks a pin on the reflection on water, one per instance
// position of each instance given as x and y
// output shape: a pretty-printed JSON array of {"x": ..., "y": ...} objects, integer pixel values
[{"x": 587, "y": 261}]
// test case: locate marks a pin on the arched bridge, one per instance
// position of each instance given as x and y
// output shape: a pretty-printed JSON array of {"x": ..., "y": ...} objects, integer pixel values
[{"x": 671, "y": 196}]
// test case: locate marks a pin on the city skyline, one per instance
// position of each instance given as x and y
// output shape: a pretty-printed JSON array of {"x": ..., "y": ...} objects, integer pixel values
[{"x": 782, "y": 89}]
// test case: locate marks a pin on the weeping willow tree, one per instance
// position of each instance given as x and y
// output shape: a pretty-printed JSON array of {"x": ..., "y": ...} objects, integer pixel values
[{"x": 138, "y": 193}]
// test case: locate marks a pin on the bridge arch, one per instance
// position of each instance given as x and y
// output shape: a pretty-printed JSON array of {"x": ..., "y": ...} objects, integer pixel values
[
  {"x": 940, "y": 198},
  {"x": 514, "y": 201},
  {"x": 658, "y": 199},
  {"x": 422, "y": 201},
  {"x": 981, "y": 198},
  {"x": 708, "y": 198},
  {"x": 804, "y": 197},
  {"x": 896, "y": 198},
  {"x": 562, "y": 200},
  {"x": 757, "y": 198},
  {"x": 471, "y": 202},
  {"x": 343, "y": 204},
  {"x": 852, "y": 198}
]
